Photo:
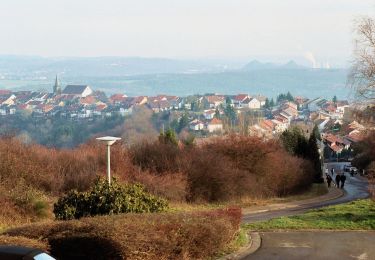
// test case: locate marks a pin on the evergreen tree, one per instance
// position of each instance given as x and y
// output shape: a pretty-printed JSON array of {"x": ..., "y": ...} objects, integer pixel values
[
  {"x": 314, "y": 157},
  {"x": 289, "y": 97},
  {"x": 267, "y": 103},
  {"x": 272, "y": 103},
  {"x": 217, "y": 113},
  {"x": 294, "y": 141},
  {"x": 182, "y": 123},
  {"x": 229, "y": 111},
  {"x": 168, "y": 137},
  {"x": 316, "y": 133}
]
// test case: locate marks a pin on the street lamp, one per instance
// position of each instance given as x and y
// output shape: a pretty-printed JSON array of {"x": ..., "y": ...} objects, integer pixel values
[{"x": 108, "y": 140}]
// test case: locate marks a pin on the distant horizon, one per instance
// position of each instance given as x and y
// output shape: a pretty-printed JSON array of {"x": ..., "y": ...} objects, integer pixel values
[
  {"x": 314, "y": 32},
  {"x": 239, "y": 59}
]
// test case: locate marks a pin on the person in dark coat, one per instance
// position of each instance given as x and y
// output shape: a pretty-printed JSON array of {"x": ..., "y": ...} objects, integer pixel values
[
  {"x": 329, "y": 180},
  {"x": 342, "y": 179},
  {"x": 338, "y": 179},
  {"x": 352, "y": 172}
]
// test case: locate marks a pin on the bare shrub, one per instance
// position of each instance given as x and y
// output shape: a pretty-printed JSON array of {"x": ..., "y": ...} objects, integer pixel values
[
  {"x": 23, "y": 241},
  {"x": 239, "y": 166},
  {"x": 156, "y": 157},
  {"x": 141, "y": 236}
]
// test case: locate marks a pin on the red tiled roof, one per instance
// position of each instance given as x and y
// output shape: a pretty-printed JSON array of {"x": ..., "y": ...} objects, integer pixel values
[
  {"x": 215, "y": 121},
  {"x": 331, "y": 138},
  {"x": 5, "y": 92},
  {"x": 336, "y": 148},
  {"x": 118, "y": 98},
  {"x": 89, "y": 100},
  {"x": 215, "y": 98},
  {"x": 101, "y": 107},
  {"x": 241, "y": 97},
  {"x": 267, "y": 124}
]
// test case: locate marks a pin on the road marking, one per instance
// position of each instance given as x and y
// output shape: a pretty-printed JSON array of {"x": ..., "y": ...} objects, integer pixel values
[
  {"x": 292, "y": 245},
  {"x": 363, "y": 256}
]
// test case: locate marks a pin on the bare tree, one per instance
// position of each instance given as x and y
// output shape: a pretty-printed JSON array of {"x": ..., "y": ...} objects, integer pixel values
[{"x": 362, "y": 76}]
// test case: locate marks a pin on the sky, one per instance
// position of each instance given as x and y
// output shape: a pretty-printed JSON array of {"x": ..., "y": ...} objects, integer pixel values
[{"x": 315, "y": 31}]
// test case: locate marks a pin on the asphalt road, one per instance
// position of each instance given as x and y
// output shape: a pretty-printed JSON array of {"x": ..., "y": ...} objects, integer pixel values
[
  {"x": 355, "y": 188},
  {"x": 317, "y": 244}
]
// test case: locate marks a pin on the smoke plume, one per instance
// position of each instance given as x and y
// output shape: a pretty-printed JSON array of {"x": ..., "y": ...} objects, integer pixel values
[{"x": 310, "y": 57}]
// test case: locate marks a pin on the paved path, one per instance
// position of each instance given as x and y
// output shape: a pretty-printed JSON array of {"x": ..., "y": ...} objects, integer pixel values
[
  {"x": 323, "y": 245},
  {"x": 355, "y": 188},
  {"x": 316, "y": 244}
]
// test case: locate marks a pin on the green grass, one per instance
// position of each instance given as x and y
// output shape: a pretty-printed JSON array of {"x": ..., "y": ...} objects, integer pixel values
[
  {"x": 355, "y": 215},
  {"x": 241, "y": 239}
]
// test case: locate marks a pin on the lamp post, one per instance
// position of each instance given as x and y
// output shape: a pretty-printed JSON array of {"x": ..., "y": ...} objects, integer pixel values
[{"x": 108, "y": 140}]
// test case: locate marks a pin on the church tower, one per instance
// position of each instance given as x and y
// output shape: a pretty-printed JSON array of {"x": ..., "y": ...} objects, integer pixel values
[{"x": 56, "y": 87}]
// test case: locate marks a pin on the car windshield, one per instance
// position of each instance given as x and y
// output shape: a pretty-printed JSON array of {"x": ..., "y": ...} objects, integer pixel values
[{"x": 43, "y": 256}]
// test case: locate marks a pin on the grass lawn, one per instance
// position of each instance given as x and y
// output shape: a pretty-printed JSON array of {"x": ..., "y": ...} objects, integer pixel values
[{"x": 355, "y": 215}]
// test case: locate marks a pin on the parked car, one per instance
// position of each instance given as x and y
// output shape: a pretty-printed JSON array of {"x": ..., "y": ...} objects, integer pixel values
[
  {"x": 23, "y": 253},
  {"x": 349, "y": 168}
]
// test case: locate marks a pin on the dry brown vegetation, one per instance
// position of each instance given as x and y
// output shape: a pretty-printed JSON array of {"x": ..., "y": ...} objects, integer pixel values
[
  {"x": 365, "y": 158},
  {"x": 230, "y": 169},
  {"x": 137, "y": 236},
  {"x": 23, "y": 241},
  {"x": 32, "y": 177},
  {"x": 227, "y": 169}
]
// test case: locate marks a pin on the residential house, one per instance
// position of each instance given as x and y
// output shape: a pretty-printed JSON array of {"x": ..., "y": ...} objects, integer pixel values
[
  {"x": 140, "y": 100},
  {"x": 209, "y": 114},
  {"x": 4, "y": 92},
  {"x": 118, "y": 98},
  {"x": 159, "y": 105},
  {"x": 280, "y": 126},
  {"x": 260, "y": 130},
  {"x": 336, "y": 143},
  {"x": 88, "y": 101},
  {"x": 289, "y": 104},
  {"x": 261, "y": 99},
  {"x": 239, "y": 100},
  {"x": 301, "y": 101},
  {"x": 77, "y": 90},
  {"x": 215, "y": 125},
  {"x": 196, "y": 125},
  {"x": 254, "y": 103},
  {"x": 341, "y": 106},
  {"x": 7, "y": 99},
  {"x": 315, "y": 104},
  {"x": 175, "y": 102},
  {"x": 213, "y": 101},
  {"x": 3, "y": 110},
  {"x": 125, "y": 110}
]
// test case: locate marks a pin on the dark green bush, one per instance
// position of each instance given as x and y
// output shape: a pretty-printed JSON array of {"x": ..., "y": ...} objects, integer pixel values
[{"x": 105, "y": 199}]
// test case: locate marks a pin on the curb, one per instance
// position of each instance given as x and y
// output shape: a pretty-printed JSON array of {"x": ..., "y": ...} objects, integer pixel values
[{"x": 254, "y": 244}]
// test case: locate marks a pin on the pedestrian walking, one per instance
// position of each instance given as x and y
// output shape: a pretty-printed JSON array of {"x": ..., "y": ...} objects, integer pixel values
[
  {"x": 326, "y": 172},
  {"x": 332, "y": 171},
  {"x": 352, "y": 172},
  {"x": 343, "y": 179},
  {"x": 338, "y": 179},
  {"x": 329, "y": 180}
]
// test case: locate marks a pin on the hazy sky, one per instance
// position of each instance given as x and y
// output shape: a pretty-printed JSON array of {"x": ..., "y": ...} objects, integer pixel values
[{"x": 277, "y": 29}]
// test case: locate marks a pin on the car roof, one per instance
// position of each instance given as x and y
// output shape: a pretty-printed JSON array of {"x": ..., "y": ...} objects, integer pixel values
[{"x": 18, "y": 252}]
